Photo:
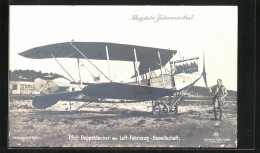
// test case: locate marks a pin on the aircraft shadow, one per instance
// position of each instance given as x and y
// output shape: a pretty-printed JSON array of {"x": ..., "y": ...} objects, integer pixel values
[{"x": 98, "y": 114}]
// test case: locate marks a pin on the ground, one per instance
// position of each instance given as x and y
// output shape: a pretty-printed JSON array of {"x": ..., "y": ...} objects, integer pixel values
[{"x": 126, "y": 125}]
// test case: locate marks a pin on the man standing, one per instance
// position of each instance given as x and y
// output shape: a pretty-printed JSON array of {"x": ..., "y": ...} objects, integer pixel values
[{"x": 220, "y": 93}]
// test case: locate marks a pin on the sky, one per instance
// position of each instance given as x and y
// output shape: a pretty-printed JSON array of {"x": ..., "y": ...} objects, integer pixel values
[{"x": 212, "y": 29}]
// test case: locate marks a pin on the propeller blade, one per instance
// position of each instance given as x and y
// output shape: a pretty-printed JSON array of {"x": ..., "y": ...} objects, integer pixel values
[
  {"x": 204, "y": 71},
  {"x": 205, "y": 80},
  {"x": 204, "y": 74}
]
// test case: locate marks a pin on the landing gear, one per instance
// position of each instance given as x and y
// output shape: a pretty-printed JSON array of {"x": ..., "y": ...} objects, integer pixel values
[
  {"x": 160, "y": 109},
  {"x": 162, "y": 106},
  {"x": 174, "y": 110}
]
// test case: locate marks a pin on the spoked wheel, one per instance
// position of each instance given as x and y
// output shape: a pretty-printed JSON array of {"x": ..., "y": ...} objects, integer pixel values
[{"x": 160, "y": 109}]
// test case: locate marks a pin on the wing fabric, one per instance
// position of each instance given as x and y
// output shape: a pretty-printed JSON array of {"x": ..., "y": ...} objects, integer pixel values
[
  {"x": 125, "y": 91},
  {"x": 147, "y": 56}
]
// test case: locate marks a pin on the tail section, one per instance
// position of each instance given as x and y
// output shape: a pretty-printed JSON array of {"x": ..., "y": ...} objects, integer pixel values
[{"x": 45, "y": 101}]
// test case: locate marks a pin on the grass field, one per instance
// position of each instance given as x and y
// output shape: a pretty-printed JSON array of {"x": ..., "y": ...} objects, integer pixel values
[{"x": 126, "y": 125}]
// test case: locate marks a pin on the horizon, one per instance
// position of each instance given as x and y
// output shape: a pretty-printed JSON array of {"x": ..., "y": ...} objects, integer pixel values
[{"x": 86, "y": 81}]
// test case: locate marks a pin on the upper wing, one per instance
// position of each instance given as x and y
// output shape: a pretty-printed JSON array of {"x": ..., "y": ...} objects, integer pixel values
[{"x": 147, "y": 56}]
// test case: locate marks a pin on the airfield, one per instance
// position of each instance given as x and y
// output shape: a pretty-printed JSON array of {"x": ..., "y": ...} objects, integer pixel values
[{"x": 121, "y": 125}]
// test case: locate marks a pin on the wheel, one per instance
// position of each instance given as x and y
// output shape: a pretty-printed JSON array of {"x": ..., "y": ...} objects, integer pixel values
[
  {"x": 174, "y": 110},
  {"x": 160, "y": 109}
]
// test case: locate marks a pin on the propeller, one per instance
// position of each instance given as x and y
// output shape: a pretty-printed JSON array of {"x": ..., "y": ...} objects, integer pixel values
[{"x": 204, "y": 74}]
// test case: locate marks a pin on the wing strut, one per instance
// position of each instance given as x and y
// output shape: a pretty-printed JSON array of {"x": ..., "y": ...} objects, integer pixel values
[
  {"x": 150, "y": 74},
  {"x": 161, "y": 68},
  {"x": 66, "y": 71},
  {"x": 108, "y": 62},
  {"x": 136, "y": 69},
  {"x": 79, "y": 72},
  {"x": 89, "y": 61}
]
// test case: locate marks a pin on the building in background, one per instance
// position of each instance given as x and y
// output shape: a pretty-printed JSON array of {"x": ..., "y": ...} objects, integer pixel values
[
  {"x": 22, "y": 81},
  {"x": 22, "y": 87}
]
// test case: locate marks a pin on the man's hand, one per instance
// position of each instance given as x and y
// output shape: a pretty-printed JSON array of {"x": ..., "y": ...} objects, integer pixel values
[{"x": 210, "y": 90}]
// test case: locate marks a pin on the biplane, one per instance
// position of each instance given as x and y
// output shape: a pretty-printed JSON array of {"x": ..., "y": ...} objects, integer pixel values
[{"x": 166, "y": 90}]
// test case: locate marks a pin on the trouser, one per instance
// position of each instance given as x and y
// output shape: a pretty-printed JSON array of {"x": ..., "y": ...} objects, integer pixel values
[{"x": 217, "y": 104}]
